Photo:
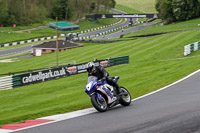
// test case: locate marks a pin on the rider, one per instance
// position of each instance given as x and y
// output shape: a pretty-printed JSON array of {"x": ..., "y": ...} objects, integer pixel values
[{"x": 101, "y": 74}]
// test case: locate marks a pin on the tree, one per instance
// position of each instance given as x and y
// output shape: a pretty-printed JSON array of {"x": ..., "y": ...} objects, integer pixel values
[
  {"x": 112, "y": 4},
  {"x": 92, "y": 6},
  {"x": 185, "y": 9},
  {"x": 165, "y": 9},
  {"x": 3, "y": 12},
  {"x": 25, "y": 12},
  {"x": 177, "y": 10},
  {"x": 61, "y": 10}
]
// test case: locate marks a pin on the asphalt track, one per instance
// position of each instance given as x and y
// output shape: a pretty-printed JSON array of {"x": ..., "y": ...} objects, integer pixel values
[
  {"x": 125, "y": 31},
  {"x": 14, "y": 51},
  {"x": 172, "y": 109},
  {"x": 92, "y": 34}
]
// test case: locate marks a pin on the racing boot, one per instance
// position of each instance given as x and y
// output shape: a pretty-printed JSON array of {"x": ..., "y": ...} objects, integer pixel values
[
  {"x": 114, "y": 99},
  {"x": 118, "y": 89}
]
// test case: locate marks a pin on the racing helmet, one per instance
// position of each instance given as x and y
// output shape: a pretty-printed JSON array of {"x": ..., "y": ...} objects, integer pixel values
[{"x": 91, "y": 67}]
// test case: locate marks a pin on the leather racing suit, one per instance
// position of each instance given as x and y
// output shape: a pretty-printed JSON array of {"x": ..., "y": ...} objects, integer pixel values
[{"x": 102, "y": 74}]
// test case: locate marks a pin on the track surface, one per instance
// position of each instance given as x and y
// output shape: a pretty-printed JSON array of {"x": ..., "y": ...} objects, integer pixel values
[
  {"x": 173, "y": 110},
  {"x": 125, "y": 31},
  {"x": 14, "y": 51}
]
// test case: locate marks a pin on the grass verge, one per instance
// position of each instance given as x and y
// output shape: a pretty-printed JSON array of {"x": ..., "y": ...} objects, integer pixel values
[{"x": 178, "y": 26}]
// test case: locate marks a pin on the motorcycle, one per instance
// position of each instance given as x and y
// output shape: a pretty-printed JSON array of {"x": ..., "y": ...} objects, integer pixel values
[{"x": 104, "y": 96}]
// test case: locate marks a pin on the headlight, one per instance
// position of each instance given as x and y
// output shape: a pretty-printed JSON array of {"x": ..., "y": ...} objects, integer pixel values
[{"x": 88, "y": 86}]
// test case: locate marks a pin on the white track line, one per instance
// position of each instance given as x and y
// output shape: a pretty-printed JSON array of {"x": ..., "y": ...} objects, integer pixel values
[
  {"x": 4, "y": 131},
  {"x": 66, "y": 116}
]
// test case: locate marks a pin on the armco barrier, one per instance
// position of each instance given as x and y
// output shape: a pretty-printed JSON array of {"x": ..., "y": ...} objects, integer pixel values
[
  {"x": 16, "y": 81},
  {"x": 10, "y": 82},
  {"x": 188, "y": 49},
  {"x": 119, "y": 60},
  {"x": 6, "y": 83}
]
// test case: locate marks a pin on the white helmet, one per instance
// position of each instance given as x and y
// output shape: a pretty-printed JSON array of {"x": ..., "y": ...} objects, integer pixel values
[{"x": 91, "y": 66}]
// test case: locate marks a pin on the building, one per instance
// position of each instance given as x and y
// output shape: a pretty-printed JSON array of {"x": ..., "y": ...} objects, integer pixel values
[
  {"x": 50, "y": 47},
  {"x": 63, "y": 26}
]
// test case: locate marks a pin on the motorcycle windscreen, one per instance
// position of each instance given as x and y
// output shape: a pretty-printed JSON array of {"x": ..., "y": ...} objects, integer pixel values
[{"x": 91, "y": 78}]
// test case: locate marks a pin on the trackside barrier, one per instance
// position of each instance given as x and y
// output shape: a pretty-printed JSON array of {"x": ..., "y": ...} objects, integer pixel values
[
  {"x": 119, "y": 60},
  {"x": 53, "y": 37},
  {"x": 188, "y": 49},
  {"x": 106, "y": 32},
  {"x": 6, "y": 83},
  {"x": 14, "y": 81}
]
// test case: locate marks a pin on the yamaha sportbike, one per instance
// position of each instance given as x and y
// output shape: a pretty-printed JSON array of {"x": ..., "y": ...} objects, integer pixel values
[{"x": 104, "y": 96}]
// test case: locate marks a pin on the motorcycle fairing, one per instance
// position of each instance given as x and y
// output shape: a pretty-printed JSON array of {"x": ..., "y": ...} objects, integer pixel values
[
  {"x": 99, "y": 96},
  {"x": 107, "y": 92}
]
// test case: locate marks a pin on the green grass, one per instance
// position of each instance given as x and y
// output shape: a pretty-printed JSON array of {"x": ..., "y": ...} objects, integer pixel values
[
  {"x": 144, "y": 74},
  {"x": 10, "y": 36},
  {"x": 125, "y": 6},
  {"x": 24, "y": 27},
  {"x": 144, "y": 6},
  {"x": 126, "y": 9},
  {"x": 178, "y": 26}
]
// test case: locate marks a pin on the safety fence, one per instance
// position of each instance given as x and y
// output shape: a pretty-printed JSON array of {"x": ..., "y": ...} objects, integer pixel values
[
  {"x": 119, "y": 60},
  {"x": 14, "y": 81},
  {"x": 188, "y": 49},
  {"x": 62, "y": 35},
  {"x": 102, "y": 33},
  {"x": 6, "y": 83}
]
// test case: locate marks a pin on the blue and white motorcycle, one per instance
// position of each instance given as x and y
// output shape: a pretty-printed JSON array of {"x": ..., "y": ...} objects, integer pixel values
[{"x": 104, "y": 96}]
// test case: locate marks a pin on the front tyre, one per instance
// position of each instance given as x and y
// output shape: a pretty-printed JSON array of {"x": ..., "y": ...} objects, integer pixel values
[
  {"x": 125, "y": 99},
  {"x": 100, "y": 105}
]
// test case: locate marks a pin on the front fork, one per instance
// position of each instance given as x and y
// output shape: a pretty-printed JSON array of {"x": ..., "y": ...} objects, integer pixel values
[{"x": 98, "y": 95}]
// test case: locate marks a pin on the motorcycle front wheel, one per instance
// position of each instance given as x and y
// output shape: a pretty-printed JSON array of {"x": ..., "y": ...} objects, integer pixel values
[{"x": 100, "y": 105}]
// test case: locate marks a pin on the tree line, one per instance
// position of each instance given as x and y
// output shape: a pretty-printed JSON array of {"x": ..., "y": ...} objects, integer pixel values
[
  {"x": 25, "y": 12},
  {"x": 178, "y": 10}
]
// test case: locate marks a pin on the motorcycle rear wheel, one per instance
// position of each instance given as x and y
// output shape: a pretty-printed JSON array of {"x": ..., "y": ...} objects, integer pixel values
[
  {"x": 100, "y": 105},
  {"x": 125, "y": 100}
]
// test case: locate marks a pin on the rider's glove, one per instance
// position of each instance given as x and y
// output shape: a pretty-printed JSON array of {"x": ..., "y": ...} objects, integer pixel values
[{"x": 103, "y": 79}]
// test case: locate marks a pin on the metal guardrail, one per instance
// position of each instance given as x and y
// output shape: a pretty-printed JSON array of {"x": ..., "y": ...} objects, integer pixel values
[
  {"x": 6, "y": 83},
  {"x": 188, "y": 49},
  {"x": 119, "y": 60}
]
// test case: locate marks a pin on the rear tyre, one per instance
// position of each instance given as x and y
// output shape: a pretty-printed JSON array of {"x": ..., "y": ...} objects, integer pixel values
[
  {"x": 100, "y": 105},
  {"x": 125, "y": 99}
]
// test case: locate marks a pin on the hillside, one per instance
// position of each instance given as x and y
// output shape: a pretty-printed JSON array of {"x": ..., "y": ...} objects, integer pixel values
[{"x": 143, "y": 6}]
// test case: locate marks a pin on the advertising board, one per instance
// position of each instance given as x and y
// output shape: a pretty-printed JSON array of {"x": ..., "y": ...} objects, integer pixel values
[
  {"x": 126, "y": 16},
  {"x": 41, "y": 76},
  {"x": 65, "y": 71}
]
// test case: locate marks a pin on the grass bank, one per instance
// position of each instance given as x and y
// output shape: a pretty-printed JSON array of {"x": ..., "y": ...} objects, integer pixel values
[
  {"x": 178, "y": 26},
  {"x": 126, "y": 9},
  {"x": 145, "y": 73},
  {"x": 8, "y": 35},
  {"x": 145, "y": 6}
]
